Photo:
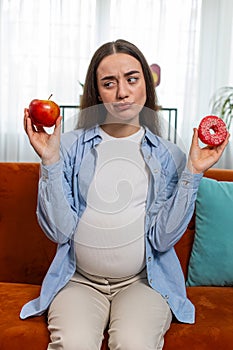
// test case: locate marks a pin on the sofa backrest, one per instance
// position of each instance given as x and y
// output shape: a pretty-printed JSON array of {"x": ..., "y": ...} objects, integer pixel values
[{"x": 25, "y": 251}]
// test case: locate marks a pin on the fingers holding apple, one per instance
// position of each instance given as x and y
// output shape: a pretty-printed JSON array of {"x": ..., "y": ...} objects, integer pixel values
[
  {"x": 39, "y": 115},
  {"x": 26, "y": 116},
  {"x": 43, "y": 113}
]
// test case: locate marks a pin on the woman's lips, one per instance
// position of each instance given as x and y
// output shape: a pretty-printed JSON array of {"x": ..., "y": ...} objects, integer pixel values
[{"x": 122, "y": 106}]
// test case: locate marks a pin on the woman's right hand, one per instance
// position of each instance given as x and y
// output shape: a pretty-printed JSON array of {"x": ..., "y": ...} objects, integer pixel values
[{"x": 47, "y": 146}]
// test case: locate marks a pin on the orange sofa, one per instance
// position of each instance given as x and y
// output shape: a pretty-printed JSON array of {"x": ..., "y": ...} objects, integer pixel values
[{"x": 26, "y": 254}]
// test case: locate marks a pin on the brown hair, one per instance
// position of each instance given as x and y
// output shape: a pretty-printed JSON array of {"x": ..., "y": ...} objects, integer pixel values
[{"x": 89, "y": 117}]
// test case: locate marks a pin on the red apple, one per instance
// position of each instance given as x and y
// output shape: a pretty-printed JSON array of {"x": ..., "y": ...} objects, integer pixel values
[{"x": 43, "y": 112}]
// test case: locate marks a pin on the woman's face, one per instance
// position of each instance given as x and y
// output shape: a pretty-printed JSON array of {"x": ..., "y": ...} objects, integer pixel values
[{"x": 121, "y": 86}]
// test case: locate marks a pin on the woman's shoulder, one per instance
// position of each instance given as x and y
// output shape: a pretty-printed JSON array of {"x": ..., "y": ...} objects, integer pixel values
[
  {"x": 162, "y": 143},
  {"x": 169, "y": 153},
  {"x": 70, "y": 137},
  {"x": 171, "y": 146},
  {"x": 71, "y": 141},
  {"x": 79, "y": 135}
]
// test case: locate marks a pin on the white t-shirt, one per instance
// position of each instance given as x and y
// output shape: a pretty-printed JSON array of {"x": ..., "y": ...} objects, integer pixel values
[{"x": 110, "y": 239}]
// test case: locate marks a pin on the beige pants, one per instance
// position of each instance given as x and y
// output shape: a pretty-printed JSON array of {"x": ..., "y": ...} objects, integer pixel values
[{"x": 138, "y": 317}]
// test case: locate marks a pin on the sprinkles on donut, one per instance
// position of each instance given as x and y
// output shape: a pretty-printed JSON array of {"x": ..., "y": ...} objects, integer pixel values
[{"x": 212, "y": 130}]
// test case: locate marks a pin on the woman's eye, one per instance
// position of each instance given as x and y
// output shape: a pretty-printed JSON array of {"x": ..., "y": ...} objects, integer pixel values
[
  {"x": 108, "y": 84},
  {"x": 132, "y": 80}
]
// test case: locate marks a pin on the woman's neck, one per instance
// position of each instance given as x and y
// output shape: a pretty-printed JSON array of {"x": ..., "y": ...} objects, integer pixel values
[
  {"x": 120, "y": 130},
  {"x": 117, "y": 127}
]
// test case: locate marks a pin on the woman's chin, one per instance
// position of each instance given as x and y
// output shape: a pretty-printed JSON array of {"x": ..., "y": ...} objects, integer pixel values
[{"x": 122, "y": 118}]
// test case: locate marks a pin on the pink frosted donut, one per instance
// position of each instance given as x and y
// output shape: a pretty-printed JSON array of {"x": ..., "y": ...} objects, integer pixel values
[{"x": 212, "y": 130}]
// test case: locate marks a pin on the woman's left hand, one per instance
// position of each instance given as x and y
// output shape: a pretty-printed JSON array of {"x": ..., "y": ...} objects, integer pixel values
[{"x": 201, "y": 159}]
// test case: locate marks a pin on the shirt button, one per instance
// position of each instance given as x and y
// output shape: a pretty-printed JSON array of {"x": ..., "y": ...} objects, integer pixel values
[
  {"x": 149, "y": 259},
  {"x": 151, "y": 280},
  {"x": 155, "y": 171},
  {"x": 166, "y": 297},
  {"x": 185, "y": 182}
]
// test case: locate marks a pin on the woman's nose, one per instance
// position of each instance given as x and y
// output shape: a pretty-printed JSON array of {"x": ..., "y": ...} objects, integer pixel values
[{"x": 122, "y": 91}]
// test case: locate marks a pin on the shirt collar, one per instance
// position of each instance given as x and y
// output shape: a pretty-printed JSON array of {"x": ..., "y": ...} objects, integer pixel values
[
  {"x": 149, "y": 135},
  {"x": 94, "y": 132},
  {"x": 91, "y": 133}
]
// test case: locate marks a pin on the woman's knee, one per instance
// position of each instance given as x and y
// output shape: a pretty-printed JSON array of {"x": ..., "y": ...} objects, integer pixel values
[
  {"x": 135, "y": 325},
  {"x": 129, "y": 341},
  {"x": 78, "y": 340},
  {"x": 76, "y": 318},
  {"x": 126, "y": 340}
]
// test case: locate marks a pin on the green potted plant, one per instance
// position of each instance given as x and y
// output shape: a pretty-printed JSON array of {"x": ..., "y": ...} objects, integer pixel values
[{"x": 222, "y": 104}]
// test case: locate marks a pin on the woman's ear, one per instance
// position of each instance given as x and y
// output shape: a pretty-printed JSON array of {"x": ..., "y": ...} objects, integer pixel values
[{"x": 99, "y": 98}]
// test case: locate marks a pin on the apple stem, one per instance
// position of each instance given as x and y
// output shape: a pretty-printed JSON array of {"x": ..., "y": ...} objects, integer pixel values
[{"x": 50, "y": 96}]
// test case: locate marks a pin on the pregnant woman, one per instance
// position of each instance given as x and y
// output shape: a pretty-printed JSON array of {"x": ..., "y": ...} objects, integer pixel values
[{"x": 115, "y": 197}]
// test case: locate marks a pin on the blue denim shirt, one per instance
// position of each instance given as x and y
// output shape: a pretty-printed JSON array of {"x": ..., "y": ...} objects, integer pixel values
[{"x": 170, "y": 203}]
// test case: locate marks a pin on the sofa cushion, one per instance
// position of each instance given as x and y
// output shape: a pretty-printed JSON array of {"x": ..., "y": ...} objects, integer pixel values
[
  {"x": 213, "y": 329},
  {"x": 31, "y": 333},
  {"x": 211, "y": 261}
]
